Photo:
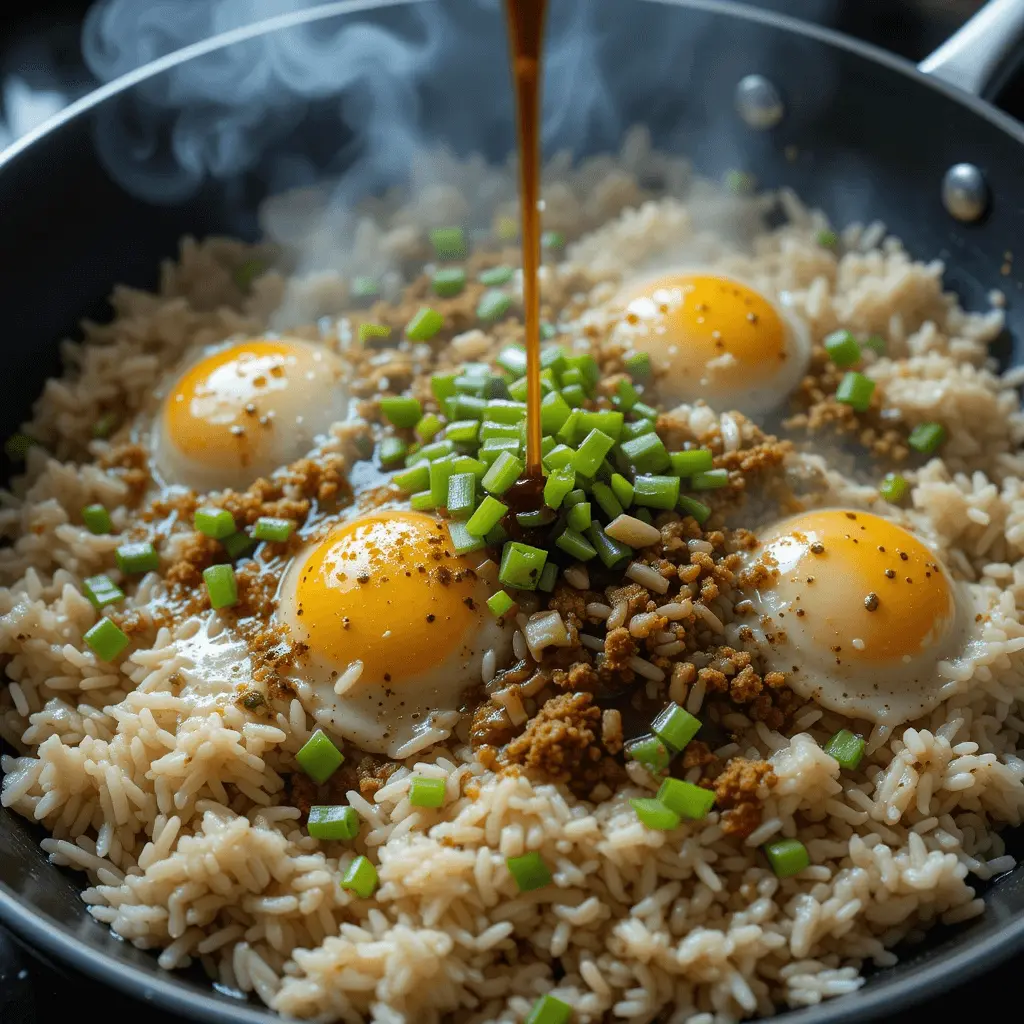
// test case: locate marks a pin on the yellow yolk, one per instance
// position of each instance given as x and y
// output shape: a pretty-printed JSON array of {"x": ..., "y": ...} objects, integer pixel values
[
  {"x": 246, "y": 409},
  {"x": 717, "y": 338}
]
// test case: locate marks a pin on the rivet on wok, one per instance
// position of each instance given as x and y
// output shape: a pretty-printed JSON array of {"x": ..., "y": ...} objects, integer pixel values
[
  {"x": 964, "y": 192},
  {"x": 758, "y": 102}
]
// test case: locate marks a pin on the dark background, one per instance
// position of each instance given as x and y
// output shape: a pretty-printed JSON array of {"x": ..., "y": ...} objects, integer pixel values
[{"x": 41, "y": 68}]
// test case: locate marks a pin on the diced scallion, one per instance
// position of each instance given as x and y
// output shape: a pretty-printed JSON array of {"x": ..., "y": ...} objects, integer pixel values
[
  {"x": 237, "y": 544},
  {"x": 487, "y": 515},
  {"x": 105, "y": 425},
  {"x": 400, "y": 410},
  {"x": 828, "y": 239},
  {"x": 842, "y": 348},
  {"x": 692, "y": 507},
  {"x": 646, "y": 453},
  {"x": 549, "y": 1010},
  {"x": 106, "y": 640},
  {"x": 548, "y": 578},
  {"x": 686, "y": 799},
  {"x": 449, "y": 281},
  {"x": 221, "y": 585},
  {"x": 692, "y": 461},
  {"x": 392, "y": 450},
  {"x": 426, "y": 792},
  {"x": 319, "y": 758},
  {"x": 656, "y": 491},
  {"x": 449, "y": 243},
  {"x": 591, "y": 452},
  {"x": 337, "y": 821},
  {"x": 893, "y": 488},
  {"x": 97, "y": 519},
  {"x": 611, "y": 552},
  {"x": 424, "y": 325},
  {"x": 417, "y": 478},
  {"x": 494, "y": 277},
  {"x": 650, "y": 752},
  {"x": 217, "y": 523},
  {"x": 137, "y": 558},
  {"x": 675, "y": 727},
  {"x": 462, "y": 540},
  {"x": 575, "y": 545},
  {"x": 500, "y": 603},
  {"x": 787, "y": 857},
  {"x": 493, "y": 305},
  {"x": 638, "y": 365},
  {"x": 504, "y": 472},
  {"x": 529, "y": 871},
  {"x": 654, "y": 814},
  {"x": 926, "y": 437},
  {"x": 272, "y": 528},
  {"x": 461, "y": 495},
  {"x": 846, "y": 748},
  {"x": 552, "y": 240},
  {"x": 368, "y": 331},
  {"x": 521, "y": 565},
  {"x": 855, "y": 390},
  {"x": 710, "y": 480},
  {"x": 102, "y": 591},
  {"x": 360, "y": 878},
  {"x": 365, "y": 287}
]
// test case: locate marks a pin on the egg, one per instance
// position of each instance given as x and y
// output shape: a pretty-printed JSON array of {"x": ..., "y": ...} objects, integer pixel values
[
  {"x": 243, "y": 409},
  {"x": 395, "y": 627},
  {"x": 859, "y": 613},
  {"x": 716, "y": 339}
]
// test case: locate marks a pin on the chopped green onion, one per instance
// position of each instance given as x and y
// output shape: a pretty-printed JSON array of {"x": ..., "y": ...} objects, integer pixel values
[
  {"x": 221, "y": 585},
  {"x": 610, "y": 551},
  {"x": 501, "y": 410},
  {"x": 507, "y": 229},
  {"x": 554, "y": 411},
  {"x": 461, "y": 495},
  {"x": 646, "y": 453},
  {"x": 638, "y": 365},
  {"x": 846, "y": 748},
  {"x": 494, "y": 277},
  {"x": 553, "y": 358},
  {"x": 424, "y": 325},
  {"x": 217, "y": 523},
  {"x": 494, "y": 446},
  {"x": 568, "y": 432},
  {"x": 392, "y": 450},
  {"x": 421, "y": 501},
  {"x": 654, "y": 814},
  {"x": 828, "y": 239},
  {"x": 401, "y": 411},
  {"x": 547, "y": 331},
  {"x": 842, "y": 348},
  {"x": 605, "y": 497},
  {"x": 442, "y": 385},
  {"x": 876, "y": 343},
  {"x": 529, "y": 871},
  {"x": 710, "y": 480},
  {"x": 489, "y": 429},
  {"x": 625, "y": 395},
  {"x": 272, "y": 528},
  {"x": 645, "y": 411},
  {"x": 493, "y": 305},
  {"x": 513, "y": 359},
  {"x": 425, "y": 792},
  {"x": 428, "y": 426},
  {"x": 644, "y": 515},
  {"x": 441, "y": 471},
  {"x": 693, "y": 507},
  {"x": 926, "y": 437},
  {"x": 622, "y": 489},
  {"x": 437, "y": 450},
  {"x": 650, "y": 752},
  {"x": 500, "y": 603},
  {"x": 893, "y": 488},
  {"x": 558, "y": 485},
  {"x": 449, "y": 243},
  {"x": 590, "y": 454},
  {"x": 686, "y": 799},
  {"x": 552, "y": 240},
  {"x": 607, "y": 421},
  {"x": 695, "y": 460},
  {"x": 237, "y": 544},
  {"x": 675, "y": 727},
  {"x": 521, "y": 565},
  {"x": 468, "y": 407},
  {"x": 575, "y": 497},
  {"x": 336, "y": 821},
  {"x": 449, "y": 281},
  {"x": 368, "y": 331},
  {"x": 574, "y": 396},
  {"x": 656, "y": 491},
  {"x": 462, "y": 540},
  {"x": 106, "y": 640},
  {"x": 105, "y": 425},
  {"x": 364, "y": 287},
  {"x": 319, "y": 758},
  {"x": 579, "y": 517},
  {"x": 360, "y": 878},
  {"x": 488, "y": 514},
  {"x": 549, "y": 1010},
  {"x": 136, "y": 558},
  {"x": 559, "y": 457},
  {"x": 575, "y": 545},
  {"x": 101, "y": 591},
  {"x": 463, "y": 431},
  {"x": 416, "y": 478},
  {"x": 855, "y": 390},
  {"x": 97, "y": 519},
  {"x": 637, "y": 428},
  {"x": 548, "y": 578},
  {"x": 247, "y": 271},
  {"x": 504, "y": 472},
  {"x": 787, "y": 857}
]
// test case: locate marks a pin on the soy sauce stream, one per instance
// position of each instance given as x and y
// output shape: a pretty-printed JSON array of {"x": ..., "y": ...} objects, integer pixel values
[{"x": 526, "y": 36}]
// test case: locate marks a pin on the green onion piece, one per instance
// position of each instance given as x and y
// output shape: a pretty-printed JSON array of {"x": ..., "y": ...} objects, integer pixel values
[
  {"x": 535, "y": 519},
  {"x": 529, "y": 871},
  {"x": 500, "y": 603},
  {"x": 587, "y": 365},
  {"x": 553, "y": 358},
  {"x": 442, "y": 385},
  {"x": 855, "y": 390},
  {"x": 360, "y": 878},
  {"x": 926, "y": 437},
  {"x": 106, "y": 640},
  {"x": 364, "y": 287},
  {"x": 644, "y": 516},
  {"x": 575, "y": 545},
  {"x": 590, "y": 454},
  {"x": 654, "y": 814},
  {"x": 17, "y": 445},
  {"x": 646, "y": 453},
  {"x": 368, "y": 331},
  {"x": 579, "y": 517},
  {"x": 828, "y": 239},
  {"x": 605, "y": 497},
  {"x": 449, "y": 243},
  {"x": 610, "y": 551},
  {"x": 449, "y": 281},
  {"x": 574, "y": 396},
  {"x": 247, "y": 271},
  {"x": 494, "y": 446},
  {"x": 686, "y": 799},
  {"x": 462, "y": 540},
  {"x": 421, "y": 501},
  {"x": 424, "y": 325},
  {"x": 425, "y": 792},
  {"x": 437, "y": 450},
  {"x": 622, "y": 489},
  {"x": 101, "y": 591},
  {"x": 638, "y": 365},
  {"x": 401, "y": 411},
  {"x": 392, "y": 450},
  {"x": 645, "y": 411},
  {"x": 607, "y": 421},
  {"x": 217, "y": 523},
  {"x": 547, "y": 331},
  {"x": 500, "y": 410},
  {"x": 468, "y": 407},
  {"x": 710, "y": 480},
  {"x": 507, "y": 228},
  {"x": 97, "y": 519},
  {"x": 105, "y": 425},
  {"x": 493, "y": 305},
  {"x": 428, "y": 426},
  {"x": 656, "y": 491},
  {"x": 695, "y": 460},
  {"x": 693, "y": 507},
  {"x": 521, "y": 565},
  {"x": 467, "y": 464},
  {"x": 842, "y": 348},
  {"x": 221, "y": 585},
  {"x": 893, "y": 488},
  {"x": 488, "y": 514},
  {"x": 568, "y": 432},
  {"x": 650, "y": 752},
  {"x": 337, "y": 821},
  {"x": 489, "y": 429},
  {"x": 549, "y": 1010},
  {"x": 571, "y": 375},
  {"x": 494, "y": 277},
  {"x": 637, "y": 428},
  {"x": 513, "y": 359},
  {"x": 675, "y": 727},
  {"x": 417, "y": 478},
  {"x": 319, "y": 758},
  {"x": 787, "y": 857},
  {"x": 441, "y": 471},
  {"x": 626, "y": 395},
  {"x": 846, "y": 748},
  {"x": 137, "y": 558},
  {"x": 552, "y": 240},
  {"x": 461, "y": 495},
  {"x": 548, "y": 578},
  {"x": 272, "y": 528},
  {"x": 559, "y": 457},
  {"x": 504, "y": 472},
  {"x": 237, "y": 544},
  {"x": 574, "y": 497},
  {"x": 554, "y": 411},
  {"x": 876, "y": 343},
  {"x": 558, "y": 485},
  {"x": 463, "y": 431}
]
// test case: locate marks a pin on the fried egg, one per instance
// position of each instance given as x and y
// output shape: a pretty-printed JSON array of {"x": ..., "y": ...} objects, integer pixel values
[
  {"x": 859, "y": 613},
  {"x": 716, "y": 339},
  {"x": 395, "y": 627},
  {"x": 243, "y": 409}
]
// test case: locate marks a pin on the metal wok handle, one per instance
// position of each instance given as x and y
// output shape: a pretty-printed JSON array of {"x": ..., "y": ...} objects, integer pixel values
[{"x": 973, "y": 58}]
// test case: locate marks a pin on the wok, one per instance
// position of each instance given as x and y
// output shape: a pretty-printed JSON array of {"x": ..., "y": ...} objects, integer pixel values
[{"x": 92, "y": 198}]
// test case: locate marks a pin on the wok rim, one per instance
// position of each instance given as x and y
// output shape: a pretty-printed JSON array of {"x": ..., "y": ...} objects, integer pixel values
[{"x": 164, "y": 989}]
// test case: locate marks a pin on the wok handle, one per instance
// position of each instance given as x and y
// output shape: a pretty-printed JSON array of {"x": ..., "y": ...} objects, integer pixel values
[{"x": 973, "y": 57}]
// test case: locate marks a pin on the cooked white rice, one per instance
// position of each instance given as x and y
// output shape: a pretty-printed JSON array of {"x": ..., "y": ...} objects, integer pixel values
[{"x": 173, "y": 808}]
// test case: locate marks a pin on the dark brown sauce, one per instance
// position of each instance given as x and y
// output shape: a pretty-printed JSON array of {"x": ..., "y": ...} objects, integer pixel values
[{"x": 526, "y": 36}]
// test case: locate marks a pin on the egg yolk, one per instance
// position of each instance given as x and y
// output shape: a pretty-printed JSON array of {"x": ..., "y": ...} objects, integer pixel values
[
  {"x": 386, "y": 589},
  {"x": 697, "y": 320},
  {"x": 856, "y": 585},
  {"x": 222, "y": 410}
]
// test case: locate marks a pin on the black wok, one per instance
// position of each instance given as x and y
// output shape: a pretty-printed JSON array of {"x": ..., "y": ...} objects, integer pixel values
[{"x": 864, "y": 135}]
